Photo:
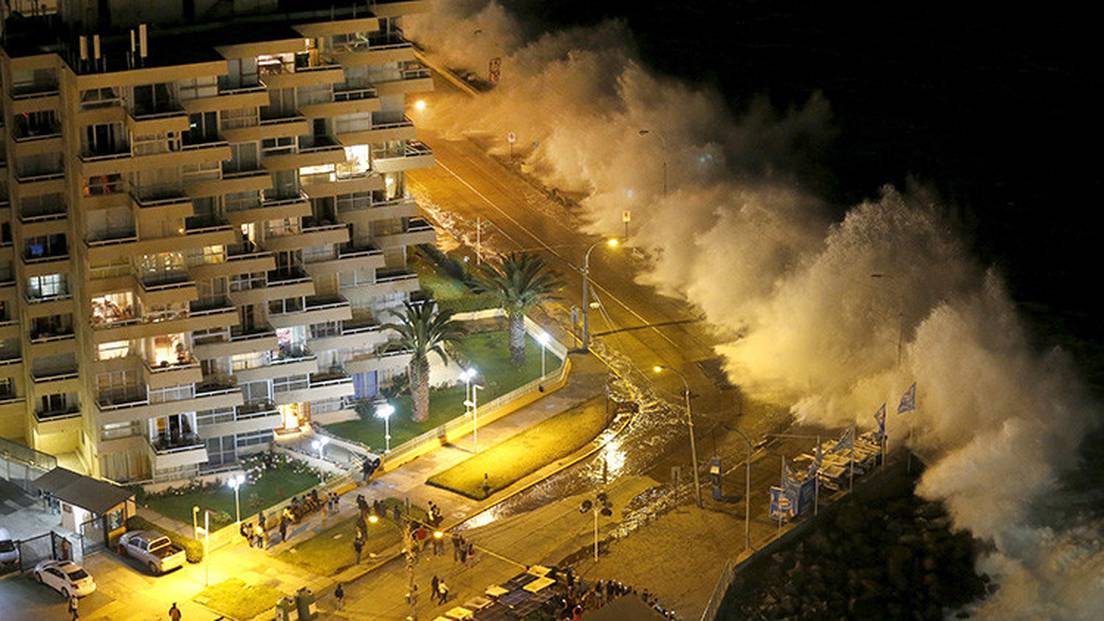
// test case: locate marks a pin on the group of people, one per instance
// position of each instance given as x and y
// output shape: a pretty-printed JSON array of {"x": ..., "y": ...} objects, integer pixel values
[
  {"x": 462, "y": 549},
  {"x": 607, "y": 591}
]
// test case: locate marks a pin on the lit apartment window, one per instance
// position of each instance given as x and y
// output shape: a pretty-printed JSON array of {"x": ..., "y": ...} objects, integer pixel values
[
  {"x": 115, "y": 349},
  {"x": 47, "y": 286},
  {"x": 113, "y": 307}
]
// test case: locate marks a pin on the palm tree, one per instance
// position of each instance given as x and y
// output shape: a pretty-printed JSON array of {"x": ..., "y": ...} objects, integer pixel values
[
  {"x": 423, "y": 330},
  {"x": 520, "y": 281}
]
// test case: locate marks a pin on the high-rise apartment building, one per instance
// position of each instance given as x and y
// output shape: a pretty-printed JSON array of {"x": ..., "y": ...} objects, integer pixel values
[{"x": 204, "y": 219}]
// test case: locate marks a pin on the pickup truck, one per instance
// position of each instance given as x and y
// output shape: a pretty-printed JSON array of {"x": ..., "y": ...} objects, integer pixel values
[{"x": 153, "y": 549}]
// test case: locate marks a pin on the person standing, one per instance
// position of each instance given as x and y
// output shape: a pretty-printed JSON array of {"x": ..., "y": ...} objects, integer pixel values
[
  {"x": 283, "y": 528},
  {"x": 456, "y": 540},
  {"x": 174, "y": 613},
  {"x": 434, "y": 588},
  {"x": 339, "y": 596},
  {"x": 442, "y": 591},
  {"x": 73, "y": 604},
  {"x": 358, "y": 546}
]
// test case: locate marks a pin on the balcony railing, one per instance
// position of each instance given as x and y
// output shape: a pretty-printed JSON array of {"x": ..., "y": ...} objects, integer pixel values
[
  {"x": 63, "y": 412},
  {"x": 288, "y": 276},
  {"x": 165, "y": 443},
  {"x": 256, "y": 409}
]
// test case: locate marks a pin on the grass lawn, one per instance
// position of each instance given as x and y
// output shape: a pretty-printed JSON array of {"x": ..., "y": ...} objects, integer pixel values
[
  {"x": 485, "y": 351},
  {"x": 449, "y": 292},
  {"x": 525, "y": 452},
  {"x": 271, "y": 487},
  {"x": 331, "y": 550},
  {"x": 238, "y": 600}
]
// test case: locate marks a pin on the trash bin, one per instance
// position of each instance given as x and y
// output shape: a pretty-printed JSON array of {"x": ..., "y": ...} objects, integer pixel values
[
  {"x": 284, "y": 608},
  {"x": 304, "y": 604}
]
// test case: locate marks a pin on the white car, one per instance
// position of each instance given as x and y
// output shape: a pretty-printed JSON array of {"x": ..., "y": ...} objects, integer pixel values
[
  {"x": 8, "y": 553},
  {"x": 65, "y": 577}
]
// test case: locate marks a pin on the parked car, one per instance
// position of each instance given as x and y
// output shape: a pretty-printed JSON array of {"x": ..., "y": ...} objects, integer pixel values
[
  {"x": 153, "y": 549},
  {"x": 65, "y": 577},
  {"x": 8, "y": 552}
]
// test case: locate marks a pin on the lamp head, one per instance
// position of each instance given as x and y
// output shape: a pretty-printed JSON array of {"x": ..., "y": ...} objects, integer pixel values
[
  {"x": 420, "y": 105},
  {"x": 373, "y": 518},
  {"x": 613, "y": 242},
  {"x": 384, "y": 410},
  {"x": 658, "y": 369}
]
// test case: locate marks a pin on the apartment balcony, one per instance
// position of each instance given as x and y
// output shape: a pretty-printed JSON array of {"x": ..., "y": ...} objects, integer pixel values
[
  {"x": 281, "y": 125},
  {"x": 40, "y": 181},
  {"x": 365, "y": 211},
  {"x": 188, "y": 155},
  {"x": 56, "y": 381},
  {"x": 42, "y": 304},
  {"x": 243, "y": 258},
  {"x": 252, "y": 416},
  {"x": 47, "y": 262},
  {"x": 319, "y": 387},
  {"x": 138, "y": 403},
  {"x": 389, "y": 282},
  {"x": 151, "y": 210},
  {"x": 353, "y": 336},
  {"x": 320, "y": 185},
  {"x": 315, "y": 151},
  {"x": 363, "y": 100},
  {"x": 231, "y": 96},
  {"x": 35, "y": 139},
  {"x": 69, "y": 411},
  {"x": 106, "y": 161},
  {"x": 240, "y": 341},
  {"x": 218, "y": 313},
  {"x": 271, "y": 208},
  {"x": 281, "y": 75},
  {"x": 171, "y": 451},
  {"x": 166, "y": 288},
  {"x": 112, "y": 244},
  {"x": 312, "y": 234},
  {"x": 182, "y": 370},
  {"x": 232, "y": 182},
  {"x": 145, "y": 121},
  {"x": 379, "y": 49},
  {"x": 315, "y": 309},
  {"x": 399, "y": 129},
  {"x": 417, "y": 231},
  {"x": 33, "y": 97},
  {"x": 346, "y": 258},
  {"x": 283, "y": 362},
  {"x": 385, "y": 358},
  {"x": 43, "y": 220},
  {"x": 51, "y": 341},
  {"x": 413, "y": 77},
  {"x": 413, "y": 155}
]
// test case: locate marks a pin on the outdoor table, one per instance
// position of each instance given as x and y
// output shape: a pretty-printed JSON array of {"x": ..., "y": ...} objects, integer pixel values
[
  {"x": 539, "y": 570},
  {"x": 477, "y": 603},
  {"x": 496, "y": 591},
  {"x": 538, "y": 584},
  {"x": 460, "y": 614}
]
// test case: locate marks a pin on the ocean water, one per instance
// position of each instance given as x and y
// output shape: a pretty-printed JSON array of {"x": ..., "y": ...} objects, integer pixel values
[{"x": 992, "y": 105}]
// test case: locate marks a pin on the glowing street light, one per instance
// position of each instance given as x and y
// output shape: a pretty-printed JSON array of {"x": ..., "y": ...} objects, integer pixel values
[
  {"x": 420, "y": 105},
  {"x": 543, "y": 339},
  {"x": 384, "y": 411},
  {"x": 236, "y": 482},
  {"x": 689, "y": 424},
  {"x": 466, "y": 376},
  {"x": 611, "y": 243}
]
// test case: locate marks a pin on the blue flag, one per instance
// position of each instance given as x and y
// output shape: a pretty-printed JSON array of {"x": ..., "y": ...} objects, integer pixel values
[
  {"x": 880, "y": 416},
  {"x": 781, "y": 507},
  {"x": 908, "y": 400},
  {"x": 845, "y": 441}
]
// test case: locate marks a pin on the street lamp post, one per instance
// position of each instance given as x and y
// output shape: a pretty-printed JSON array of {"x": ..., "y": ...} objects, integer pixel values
[
  {"x": 689, "y": 424},
  {"x": 601, "y": 505},
  {"x": 473, "y": 404},
  {"x": 384, "y": 411},
  {"x": 747, "y": 487},
  {"x": 236, "y": 482},
  {"x": 663, "y": 144},
  {"x": 319, "y": 444},
  {"x": 612, "y": 242},
  {"x": 543, "y": 339}
]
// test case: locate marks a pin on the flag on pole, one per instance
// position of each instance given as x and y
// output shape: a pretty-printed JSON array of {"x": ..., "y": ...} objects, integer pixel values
[
  {"x": 845, "y": 441},
  {"x": 880, "y": 417},
  {"x": 814, "y": 467},
  {"x": 908, "y": 400}
]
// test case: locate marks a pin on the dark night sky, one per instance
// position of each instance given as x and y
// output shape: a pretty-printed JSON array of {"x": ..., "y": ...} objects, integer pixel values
[{"x": 995, "y": 108}]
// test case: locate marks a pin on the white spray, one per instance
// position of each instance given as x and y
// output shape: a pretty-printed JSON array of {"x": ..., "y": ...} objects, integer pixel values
[{"x": 837, "y": 317}]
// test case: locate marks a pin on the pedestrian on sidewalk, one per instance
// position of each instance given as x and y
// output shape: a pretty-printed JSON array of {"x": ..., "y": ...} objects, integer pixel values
[
  {"x": 283, "y": 528},
  {"x": 259, "y": 535},
  {"x": 434, "y": 588},
  {"x": 463, "y": 552},
  {"x": 471, "y": 553},
  {"x": 73, "y": 603},
  {"x": 442, "y": 590},
  {"x": 438, "y": 544},
  {"x": 456, "y": 539},
  {"x": 245, "y": 529},
  {"x": 339, "y": 596},
  {"x": 261, "y": 520},
  {"x": 174, "y": 613},
  {"x": 396, "y": 514},
  {"x": 358, "y": 545}
]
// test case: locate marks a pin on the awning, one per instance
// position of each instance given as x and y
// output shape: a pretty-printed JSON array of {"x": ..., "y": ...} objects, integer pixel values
[{"x": 87, "y": 493}]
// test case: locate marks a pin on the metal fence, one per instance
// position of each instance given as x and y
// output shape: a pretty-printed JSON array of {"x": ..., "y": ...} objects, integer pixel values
[
  {"x": 719, "y": 590},
  {"x": 22, "y": 465},
  {"x": 92, "y": 536},
  {"x": 37, "y": 549}
]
